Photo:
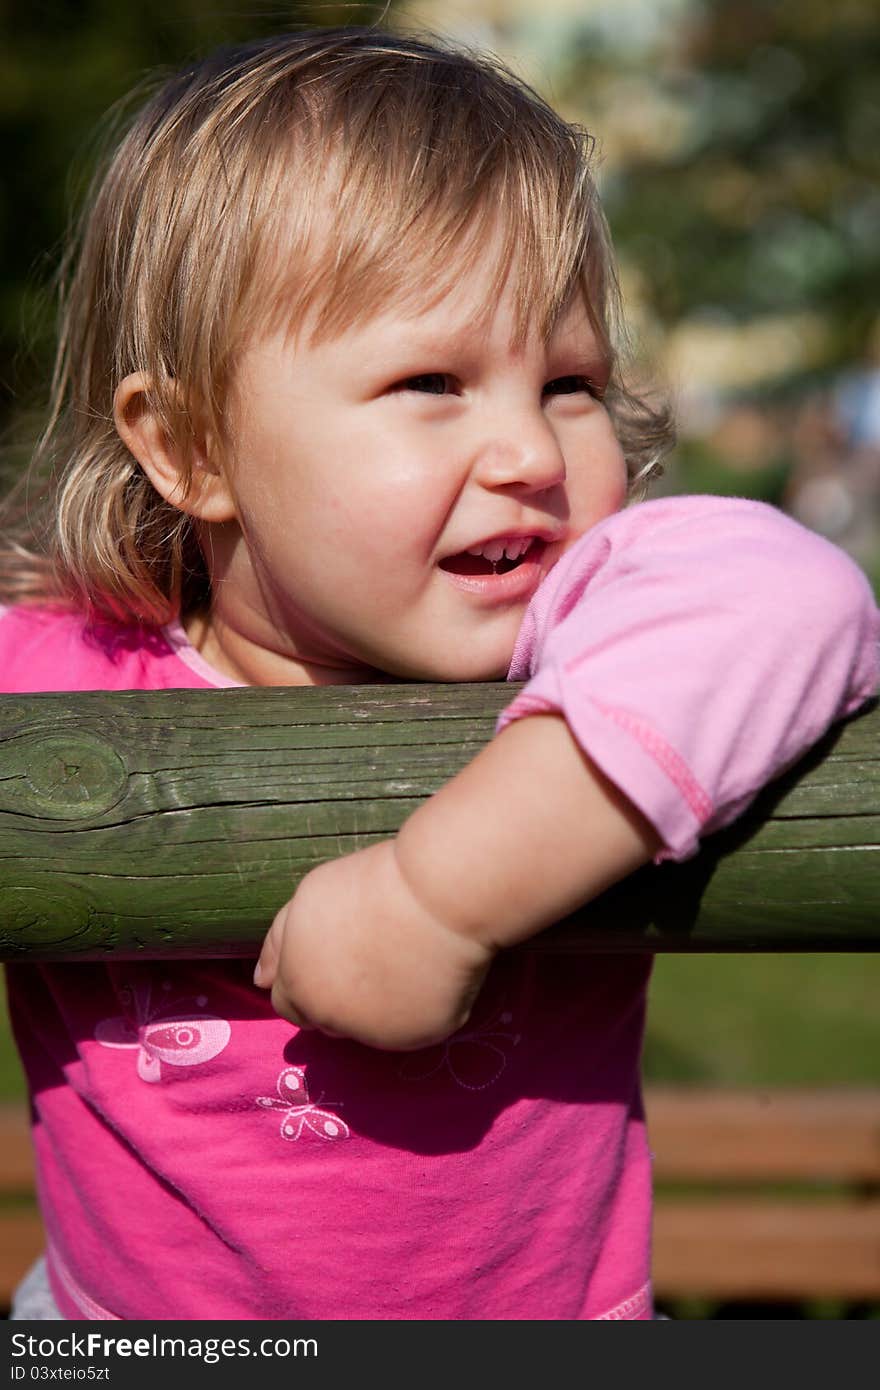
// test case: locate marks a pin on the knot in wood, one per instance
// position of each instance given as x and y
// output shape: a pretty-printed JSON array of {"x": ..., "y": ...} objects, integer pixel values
[
  {"x": 46, "y": 918},
  {"x": 69, "y": 776}
]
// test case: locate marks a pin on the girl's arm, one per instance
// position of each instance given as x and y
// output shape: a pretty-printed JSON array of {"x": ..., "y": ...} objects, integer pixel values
[
  {"x": 680, "y": 656},
  {"x": 391, "y": 945}
]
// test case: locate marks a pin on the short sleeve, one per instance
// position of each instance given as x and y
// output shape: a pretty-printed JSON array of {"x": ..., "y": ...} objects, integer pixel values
[{"x": 696, "y": 647}]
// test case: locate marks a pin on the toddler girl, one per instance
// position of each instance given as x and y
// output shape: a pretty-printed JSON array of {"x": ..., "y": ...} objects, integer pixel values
[{"x": 337, "y": 401}]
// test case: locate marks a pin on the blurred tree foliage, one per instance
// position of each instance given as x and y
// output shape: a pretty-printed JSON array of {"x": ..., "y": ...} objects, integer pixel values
[
  {"x": 63, "y": 64},
  {"x": 746, "y": 181}
]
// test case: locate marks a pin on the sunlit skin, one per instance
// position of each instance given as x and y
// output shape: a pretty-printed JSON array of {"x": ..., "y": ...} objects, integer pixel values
[
  {"x": 337, "y": 524},
  {"x": 359, "y": 464}
]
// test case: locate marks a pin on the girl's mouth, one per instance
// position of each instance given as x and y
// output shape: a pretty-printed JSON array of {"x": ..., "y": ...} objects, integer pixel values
[
  {"x": 494, "y": 558},
  {"x": 498, "y": 573}
]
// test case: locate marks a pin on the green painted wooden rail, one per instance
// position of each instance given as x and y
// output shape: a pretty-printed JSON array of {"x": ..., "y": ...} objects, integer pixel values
[{"x": 146, "y": 824}]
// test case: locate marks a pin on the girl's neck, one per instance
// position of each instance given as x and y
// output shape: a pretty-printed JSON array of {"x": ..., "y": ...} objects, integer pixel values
[{"x": 235, "y": 653}]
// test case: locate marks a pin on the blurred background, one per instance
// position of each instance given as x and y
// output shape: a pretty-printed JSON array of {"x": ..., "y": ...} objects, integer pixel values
[
  {"x": 739, "y": 163},
  {"x": 739, "y": 145}
]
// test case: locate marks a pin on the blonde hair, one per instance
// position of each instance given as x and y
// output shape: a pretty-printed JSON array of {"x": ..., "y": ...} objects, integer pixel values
[{"x": 210, "y": 222}]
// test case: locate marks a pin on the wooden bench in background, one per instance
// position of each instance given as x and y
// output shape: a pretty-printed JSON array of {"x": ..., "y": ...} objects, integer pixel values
[
  {"x": 814, "y": 1234},
  {"x": 21, "y": 1231},
  {"x": 788, "y": 1206}
]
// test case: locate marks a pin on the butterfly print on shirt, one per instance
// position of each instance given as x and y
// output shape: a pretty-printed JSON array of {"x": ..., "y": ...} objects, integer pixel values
[
  {"x": 168, "y": 1032},
  {"x": 298, "y": 1113},
  {"x": 474, "y": 1057}
]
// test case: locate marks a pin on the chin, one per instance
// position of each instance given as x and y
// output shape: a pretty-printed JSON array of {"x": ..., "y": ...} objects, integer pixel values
[
  {"x": 443, "y": 669},
  {"x": 459, "y": 672}
]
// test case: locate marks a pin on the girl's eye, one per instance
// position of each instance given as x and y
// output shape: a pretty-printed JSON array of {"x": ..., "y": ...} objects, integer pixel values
[
  {"x": 572, "y": 385},
  {"x": 428, "y": 383}
]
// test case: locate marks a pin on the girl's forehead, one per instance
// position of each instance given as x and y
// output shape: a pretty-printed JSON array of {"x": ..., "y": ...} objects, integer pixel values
[
  {"x": 438, "y": 332},
  {"x": 460, "y": 307},
  {"x": 323, "y": 279}
]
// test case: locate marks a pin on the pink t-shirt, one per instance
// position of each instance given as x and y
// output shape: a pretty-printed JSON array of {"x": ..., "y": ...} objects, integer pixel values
[{"x": 198, "y": 1157}]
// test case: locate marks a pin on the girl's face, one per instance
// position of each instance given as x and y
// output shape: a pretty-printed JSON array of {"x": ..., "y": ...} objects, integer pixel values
[{"x": 400, "y": 491}]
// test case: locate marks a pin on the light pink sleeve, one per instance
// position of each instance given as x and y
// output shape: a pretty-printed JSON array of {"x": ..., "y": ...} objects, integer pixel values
[{"x": 697, "y": 646}]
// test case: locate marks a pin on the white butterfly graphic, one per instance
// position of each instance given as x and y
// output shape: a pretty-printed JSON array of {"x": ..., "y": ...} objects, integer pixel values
[
  {"x": 299, "y": 1112},
  {"x": 167, "y": 1032}
]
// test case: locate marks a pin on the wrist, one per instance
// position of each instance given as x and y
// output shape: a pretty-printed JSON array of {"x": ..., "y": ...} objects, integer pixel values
[{"x": 419, "y": 883}]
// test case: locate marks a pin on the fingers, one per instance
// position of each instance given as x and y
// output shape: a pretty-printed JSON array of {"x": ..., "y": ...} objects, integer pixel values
[
  {"x": 266, "y": 975},
  {"x": 266, "y": 967}
]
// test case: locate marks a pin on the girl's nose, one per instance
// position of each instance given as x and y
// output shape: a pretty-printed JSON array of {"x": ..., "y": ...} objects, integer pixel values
[{"x": 525, "y": 454}]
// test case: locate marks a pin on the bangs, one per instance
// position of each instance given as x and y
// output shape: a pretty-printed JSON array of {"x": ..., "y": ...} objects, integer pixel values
[{"x": 422, "y": 184}]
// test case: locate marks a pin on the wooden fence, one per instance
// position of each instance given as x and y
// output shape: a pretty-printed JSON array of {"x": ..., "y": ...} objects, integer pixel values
[{"x": 143, "y": 824}]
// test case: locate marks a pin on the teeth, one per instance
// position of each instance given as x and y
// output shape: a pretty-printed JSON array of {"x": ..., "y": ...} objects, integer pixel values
[{"x": 493, "y": 551}]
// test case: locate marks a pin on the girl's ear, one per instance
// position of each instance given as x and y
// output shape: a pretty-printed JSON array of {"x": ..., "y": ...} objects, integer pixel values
[{"x": 138, "y": 425}]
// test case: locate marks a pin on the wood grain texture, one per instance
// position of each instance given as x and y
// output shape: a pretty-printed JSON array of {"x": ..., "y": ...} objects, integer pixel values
[{"x": 145, "y": 824}]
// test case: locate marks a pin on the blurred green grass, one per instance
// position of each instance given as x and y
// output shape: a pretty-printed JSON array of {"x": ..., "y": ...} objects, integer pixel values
[
  {"x": 732, "y": 1020},
  {"x": 798, "y": 1019}
]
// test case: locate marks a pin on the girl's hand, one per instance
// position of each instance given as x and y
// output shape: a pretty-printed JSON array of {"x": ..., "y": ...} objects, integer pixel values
[{"x": 356, "y": 954}]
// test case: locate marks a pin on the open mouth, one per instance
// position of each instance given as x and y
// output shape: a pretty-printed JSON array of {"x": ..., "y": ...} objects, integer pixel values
[{"x": 496, "y": 557}]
